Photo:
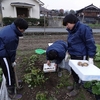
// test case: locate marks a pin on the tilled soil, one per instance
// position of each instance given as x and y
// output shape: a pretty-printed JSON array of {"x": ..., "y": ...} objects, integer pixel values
[
  {"x": 41, "y": 41},
  {"x": 32, "y": 42}
]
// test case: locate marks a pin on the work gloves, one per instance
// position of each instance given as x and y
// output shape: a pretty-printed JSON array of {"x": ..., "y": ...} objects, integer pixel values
[
  {"x": 13, "y": 64},
  {"x": 67, "y": 56},
  {"x": 90, "y": 61}
]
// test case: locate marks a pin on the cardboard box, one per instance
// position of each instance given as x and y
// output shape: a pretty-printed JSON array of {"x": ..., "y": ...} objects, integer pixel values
[
  {"x": 88, "y": 73},
  {"x": 47, "y": 68}
]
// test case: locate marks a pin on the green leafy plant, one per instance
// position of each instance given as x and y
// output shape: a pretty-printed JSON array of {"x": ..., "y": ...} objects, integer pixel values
[
  {"x": 97, "y": 57},
  {"x": 63, "y": 82},
  {"x": 94, "y": 86},
  {"x": 33, "y": 75},
  {"x": 34, "y": 78},
  {"x": 41, "y": 96}
]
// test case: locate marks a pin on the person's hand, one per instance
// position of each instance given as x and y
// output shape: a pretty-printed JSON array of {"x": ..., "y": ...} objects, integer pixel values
[
  {"x": 13, "y": 64},
  {"x": 48, "y": 63},
  {"x": 55, "y": 65},
  {"x": 91, "y": 61}
]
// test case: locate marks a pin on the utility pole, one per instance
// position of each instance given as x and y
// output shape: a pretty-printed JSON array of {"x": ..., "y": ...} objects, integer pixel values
[
  {"x": 44, "y": 23},
  {"x": 83, "y": 17},
  {"x": 1, "y": 13}
]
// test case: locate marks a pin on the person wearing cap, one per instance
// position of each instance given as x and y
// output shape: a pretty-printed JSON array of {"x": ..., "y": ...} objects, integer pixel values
[
  {"x": 9, "y": 39},
  {"x": 81, "y": 46},
  {"x": 56, "y": 52}
]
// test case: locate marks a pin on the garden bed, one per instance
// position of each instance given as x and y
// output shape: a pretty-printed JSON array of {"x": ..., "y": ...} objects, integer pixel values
[{"x": 54, "y": 88}]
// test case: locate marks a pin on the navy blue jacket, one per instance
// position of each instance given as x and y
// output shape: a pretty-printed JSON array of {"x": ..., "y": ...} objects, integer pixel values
[
  {"x": 61, "y": 48},
  {"x": 9, "y": 39},
  {"x": 80, "y": 41}
]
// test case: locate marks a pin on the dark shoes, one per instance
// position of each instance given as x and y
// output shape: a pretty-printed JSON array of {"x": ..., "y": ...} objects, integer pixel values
[
  {"x": 15, "y": 96},
  {"x": 59, "y": 71},
  {"x": 70, "y": 88},
  {"x": 74, "y": 90},
  {"x": 59, "y": 74},
  {"x": 12, "y": 93}
]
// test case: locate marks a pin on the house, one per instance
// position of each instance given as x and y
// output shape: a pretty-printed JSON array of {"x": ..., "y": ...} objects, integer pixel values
[
  {"x": 89, "y": 14},
  {"x": 44, "y": 11},
  {"x": 24, "y": 8}
]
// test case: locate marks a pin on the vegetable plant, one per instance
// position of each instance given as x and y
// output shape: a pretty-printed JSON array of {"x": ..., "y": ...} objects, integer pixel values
[
  {"x": 94, "y": 86},
  {"x": 97, "y": 57},
  {"x": 33, "y": 75},
  {"x": 41, "y": 96}
]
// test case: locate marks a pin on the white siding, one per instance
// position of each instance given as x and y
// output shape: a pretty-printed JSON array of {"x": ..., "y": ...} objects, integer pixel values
[{"x": 10, "y": 11}]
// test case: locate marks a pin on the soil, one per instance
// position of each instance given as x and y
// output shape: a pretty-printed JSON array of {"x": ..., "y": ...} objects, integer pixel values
[{"x": 27, "y": 45}]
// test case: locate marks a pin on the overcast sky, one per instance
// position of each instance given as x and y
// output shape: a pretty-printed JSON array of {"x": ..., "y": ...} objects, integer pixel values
[{"x": 69, "y": 4}]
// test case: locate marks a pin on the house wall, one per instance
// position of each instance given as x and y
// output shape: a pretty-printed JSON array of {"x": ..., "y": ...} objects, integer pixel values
[
  {"x": 90, "y": 13},
  {"x": 10, "y": 11}
]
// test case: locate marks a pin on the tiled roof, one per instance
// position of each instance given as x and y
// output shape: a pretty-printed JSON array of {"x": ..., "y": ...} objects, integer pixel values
[{"x": 87, "y": 7}]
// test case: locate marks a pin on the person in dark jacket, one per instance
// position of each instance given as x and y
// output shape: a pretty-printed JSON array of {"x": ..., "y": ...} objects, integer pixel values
[
  {"x": 9, "y": 39},
  {"x": 81, "y": 46},
  {"x": 56, "y": 52}
]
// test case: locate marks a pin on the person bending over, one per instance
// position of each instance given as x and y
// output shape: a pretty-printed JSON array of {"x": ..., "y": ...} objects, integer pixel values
[{"x": 56, "y": 53}]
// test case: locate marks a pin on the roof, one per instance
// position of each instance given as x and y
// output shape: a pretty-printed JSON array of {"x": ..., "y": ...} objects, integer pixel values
[
  {"x": 88, "y": 7},
  {"x": 40, "y": 2},
  {"x": 43, "y": 9},
  {"x": 21, "y": 4}
]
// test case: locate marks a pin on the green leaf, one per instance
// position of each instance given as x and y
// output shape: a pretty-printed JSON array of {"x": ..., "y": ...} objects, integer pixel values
[{"x": 87, "y": 84}]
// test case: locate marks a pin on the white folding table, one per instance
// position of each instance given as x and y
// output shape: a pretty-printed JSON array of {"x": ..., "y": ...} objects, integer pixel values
[{"x": 88, "y": 73}]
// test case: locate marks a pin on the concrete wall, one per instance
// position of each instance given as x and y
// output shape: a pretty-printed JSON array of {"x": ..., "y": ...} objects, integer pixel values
[{"x": 55, "y": 21}]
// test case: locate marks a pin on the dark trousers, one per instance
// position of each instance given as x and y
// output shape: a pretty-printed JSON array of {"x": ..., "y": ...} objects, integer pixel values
[
  {"x": 8, "y": 71},
  {"x": 75, "y": 76}
]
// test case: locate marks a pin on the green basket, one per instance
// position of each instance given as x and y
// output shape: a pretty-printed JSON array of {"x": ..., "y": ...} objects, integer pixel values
[{"x": 40, "y": 51}]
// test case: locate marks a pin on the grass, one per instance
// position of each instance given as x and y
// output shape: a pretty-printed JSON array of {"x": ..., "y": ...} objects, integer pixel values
[{"x": 94, "y": 25}]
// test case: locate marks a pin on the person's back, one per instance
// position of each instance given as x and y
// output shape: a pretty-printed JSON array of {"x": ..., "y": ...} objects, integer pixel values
[
  {"x": 56, "y": 52},
  {"x": 60, "y": 47}
]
